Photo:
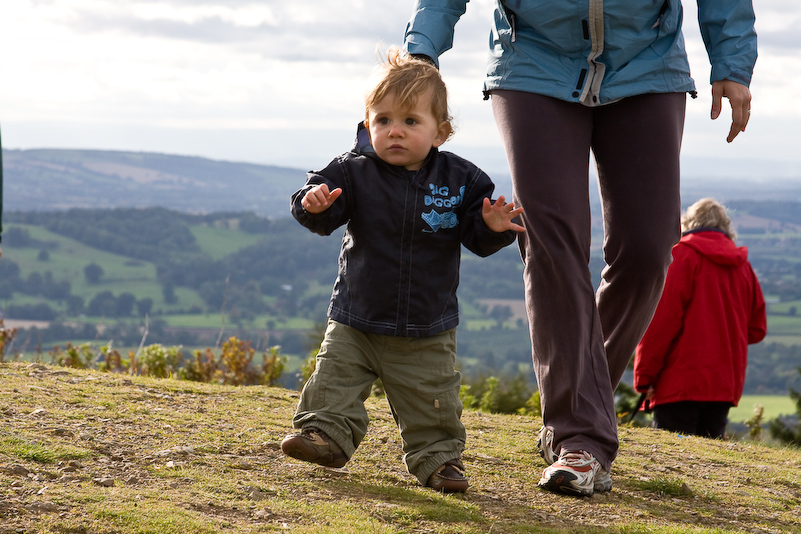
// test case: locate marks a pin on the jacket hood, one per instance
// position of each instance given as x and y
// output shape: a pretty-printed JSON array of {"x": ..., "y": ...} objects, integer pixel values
[
  {"x": 716, "y": 246},
  {"x": 362, "y": 145}
]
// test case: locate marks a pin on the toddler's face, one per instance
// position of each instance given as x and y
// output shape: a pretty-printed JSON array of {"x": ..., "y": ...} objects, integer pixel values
[{"x": 404, "y": 136}]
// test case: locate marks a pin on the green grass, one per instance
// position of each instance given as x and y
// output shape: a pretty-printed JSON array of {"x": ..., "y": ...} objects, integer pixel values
[
  {"x": 784, "y": 324},
  {"x": 784, "y": 307},
  {"x": 220, "y": 242},
  {"x": 213, "y": 320},
  {"x": 774, "y": 405},
  {"x": 478, "y": 324},
  {"x": 666, "y": 486},
  {"x": 195, "y": 458},
  {"x": 70, "y": 257},
  {"x": 36, "y": 451},
  {"x": 789, "y": 340}
]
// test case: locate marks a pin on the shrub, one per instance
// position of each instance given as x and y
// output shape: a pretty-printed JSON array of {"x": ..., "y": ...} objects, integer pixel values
[
  {"x": 755, "y": 423},
  {"x": 273, "y": 367},
  {"x": 235, "y": 358},
  {"x": 786, "y": 431},
  {"x": 113, "y": 362},
  {"x": 494, "y": 395},
  {"x": 159, "y": 361},
  {"x": 6, "y": 337},
  {"x": 307, "y": 367},
  {"x": 235, "y": 365},
  {"x": 77, "y": 356},
  {"x": 202, "y": 369}
]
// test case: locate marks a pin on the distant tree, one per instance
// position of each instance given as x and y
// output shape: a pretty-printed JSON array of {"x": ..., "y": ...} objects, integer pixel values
[
  {"x": 6, "y": 289},
  {"x": 75, "y": 305},
  {"x": 8, "y": 269},
  {"x": 168, "y": 291},
  {"x": 212, "y": 293},
  {"x": 103, "y": 304},
  {"x": 17, "y": 237},
  {"x": 772, "y": 369},
  {"x": 43, "y": 255},
  {"x": 253, "y": 224},
  {"x": 501, "y": 314},
  {"x": 125, "y": 304},
  {"x": 35, "y": 312},
  {"x": 33, "y": 285},
  {"x": 93, "y": 273},
  {"x": 54, "y": 290},
  {"x": 143, "y": 306}
]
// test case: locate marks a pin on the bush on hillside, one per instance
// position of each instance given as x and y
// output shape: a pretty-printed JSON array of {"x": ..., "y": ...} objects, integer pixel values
[{"x": 785, "y": 430}]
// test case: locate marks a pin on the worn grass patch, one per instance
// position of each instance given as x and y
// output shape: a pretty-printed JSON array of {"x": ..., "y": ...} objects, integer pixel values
[{"x": 84, "y": 451}]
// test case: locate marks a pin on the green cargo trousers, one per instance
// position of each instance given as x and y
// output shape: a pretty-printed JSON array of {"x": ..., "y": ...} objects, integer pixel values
[{"x": 420, "y": 382}]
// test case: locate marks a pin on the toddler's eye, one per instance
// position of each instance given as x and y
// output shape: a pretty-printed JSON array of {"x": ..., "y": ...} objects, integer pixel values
[
  {"x": 383, "y": 120},
  {"x": 411, "y": 122}
]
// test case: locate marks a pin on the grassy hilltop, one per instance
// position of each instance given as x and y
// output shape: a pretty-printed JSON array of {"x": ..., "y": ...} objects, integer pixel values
[{"x": 91, "y": 452}]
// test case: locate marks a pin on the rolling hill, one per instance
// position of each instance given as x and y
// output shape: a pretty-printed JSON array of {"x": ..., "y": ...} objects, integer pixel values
[{"x": 45, "y": 180}]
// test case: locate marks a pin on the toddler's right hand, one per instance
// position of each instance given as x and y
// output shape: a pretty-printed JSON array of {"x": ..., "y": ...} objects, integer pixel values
[{"x": 319, "y": 198}]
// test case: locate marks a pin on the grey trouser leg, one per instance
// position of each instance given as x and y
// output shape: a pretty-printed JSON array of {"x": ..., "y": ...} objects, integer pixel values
[
  {"x": 333, "y": 398},
  {"x": 420, "y": 381},
  {"x": 580, "y": 349}
]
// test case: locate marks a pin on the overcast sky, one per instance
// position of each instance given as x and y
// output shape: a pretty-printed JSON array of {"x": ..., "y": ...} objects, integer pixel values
[{"x": 281, "y": 83}]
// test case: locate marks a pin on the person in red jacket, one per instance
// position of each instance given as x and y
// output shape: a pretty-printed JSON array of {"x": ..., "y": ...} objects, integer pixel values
[{"x": 691, "y": 361}]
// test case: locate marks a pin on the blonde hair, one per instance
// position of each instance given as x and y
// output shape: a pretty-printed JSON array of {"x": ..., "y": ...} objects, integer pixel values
[
  {"x": 408, "y": 77},
  {"x": 708, "y": 213}
]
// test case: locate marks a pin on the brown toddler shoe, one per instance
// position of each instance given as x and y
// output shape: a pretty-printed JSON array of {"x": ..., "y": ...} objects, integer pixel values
[
  {"x": 449, "y": 478},
  {"x": 315, "y": 446}
]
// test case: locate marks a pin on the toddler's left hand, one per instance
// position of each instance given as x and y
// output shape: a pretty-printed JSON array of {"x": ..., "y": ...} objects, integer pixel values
[{"x": 499, "y": 216}]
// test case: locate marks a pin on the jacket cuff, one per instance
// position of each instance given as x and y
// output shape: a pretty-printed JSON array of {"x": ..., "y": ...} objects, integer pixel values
[{"x": 725, "y": 72}]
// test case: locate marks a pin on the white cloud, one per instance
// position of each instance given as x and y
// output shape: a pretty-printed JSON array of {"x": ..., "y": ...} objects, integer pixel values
[{"x": 282, "y": 82}]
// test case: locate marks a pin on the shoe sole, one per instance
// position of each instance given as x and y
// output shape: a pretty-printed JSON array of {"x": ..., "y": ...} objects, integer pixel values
[
  {"x": 562, "y": 482},
  {"x": 450, "y": 486},
  {"x": 299, "y": 450}
]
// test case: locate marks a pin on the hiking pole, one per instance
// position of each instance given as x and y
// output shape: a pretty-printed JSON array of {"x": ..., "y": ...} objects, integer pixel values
[{"x": 639, "y": 404}]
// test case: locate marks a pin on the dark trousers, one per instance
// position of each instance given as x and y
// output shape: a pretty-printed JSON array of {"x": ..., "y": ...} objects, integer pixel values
[
  {"x": 706, "y": 419},
  {"x": 583, "y": 341}
]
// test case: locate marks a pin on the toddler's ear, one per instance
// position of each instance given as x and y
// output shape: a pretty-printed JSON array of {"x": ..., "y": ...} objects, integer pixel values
[{"x": 443, "y": 133}]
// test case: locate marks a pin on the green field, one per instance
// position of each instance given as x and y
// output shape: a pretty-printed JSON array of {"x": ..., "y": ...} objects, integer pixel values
[
  {"x": 219, "y": 242},
  {"x": 774, "y": 405}
]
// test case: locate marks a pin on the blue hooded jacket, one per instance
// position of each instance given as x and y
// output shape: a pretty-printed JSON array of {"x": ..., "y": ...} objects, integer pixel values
[{"x": 595, "y": 51}]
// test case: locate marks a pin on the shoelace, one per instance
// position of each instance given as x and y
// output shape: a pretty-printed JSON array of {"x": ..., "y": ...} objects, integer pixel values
[{"x": 575, "y": 458}]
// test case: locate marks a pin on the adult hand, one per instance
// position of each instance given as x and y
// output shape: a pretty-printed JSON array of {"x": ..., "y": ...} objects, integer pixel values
[
  {"x": 740, "y": 99},
  {"x": 319, "y": 198}
]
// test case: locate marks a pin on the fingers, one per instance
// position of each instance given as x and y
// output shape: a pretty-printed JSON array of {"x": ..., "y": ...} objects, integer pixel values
[
  {"x": 717, "y": 99},
  {"x": 516, "y": 227},
  {"x": 507, "y": 208},
  {"x": 739, "y": 97},
  {"x": 319, "y": 198},
  {"x": 334, "y": 194},
  {"x": 499, "y": 215},
  {"x": 739, "y": 119}
]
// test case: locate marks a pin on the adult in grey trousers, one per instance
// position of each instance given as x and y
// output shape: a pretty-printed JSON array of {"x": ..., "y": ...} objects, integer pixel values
[{"x": 609, "y": 78}]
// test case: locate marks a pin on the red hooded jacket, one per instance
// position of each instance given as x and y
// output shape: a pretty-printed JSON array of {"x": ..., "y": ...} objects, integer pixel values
[{"x": 696, "y": 347}]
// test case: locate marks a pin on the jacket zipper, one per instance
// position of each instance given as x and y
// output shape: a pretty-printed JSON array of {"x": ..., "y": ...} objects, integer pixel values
[{"x": 595, "y": 71}]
